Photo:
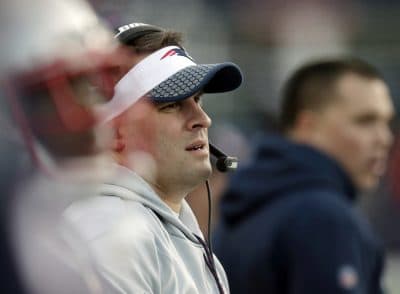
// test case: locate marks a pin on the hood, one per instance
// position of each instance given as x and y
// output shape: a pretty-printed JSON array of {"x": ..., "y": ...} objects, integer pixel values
[
  {"x": 127, "y": 185},
  {"x": 278, "y": 168}
]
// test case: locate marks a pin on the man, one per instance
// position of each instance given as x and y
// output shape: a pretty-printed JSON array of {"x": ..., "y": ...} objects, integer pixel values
[
  {"x": 288, "y": 224},
  {"x": 144, "y": 235}
]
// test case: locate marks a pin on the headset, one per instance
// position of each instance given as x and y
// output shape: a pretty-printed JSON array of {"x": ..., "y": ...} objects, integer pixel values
[{"x": 127, "y": 34}]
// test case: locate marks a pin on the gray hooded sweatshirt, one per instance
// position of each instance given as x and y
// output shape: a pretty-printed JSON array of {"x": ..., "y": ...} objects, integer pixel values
[{"x": 139, "y": 244}]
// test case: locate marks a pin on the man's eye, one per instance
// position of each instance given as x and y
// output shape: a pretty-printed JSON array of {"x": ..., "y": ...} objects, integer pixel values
[
  {"x": 198, "y": 100},
  {"x": 366, "y": 120},
  {"x": 169, "y": 106}
]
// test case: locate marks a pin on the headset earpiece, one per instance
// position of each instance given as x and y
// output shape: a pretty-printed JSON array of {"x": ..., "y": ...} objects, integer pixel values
[{"x": 128, "y": 33}]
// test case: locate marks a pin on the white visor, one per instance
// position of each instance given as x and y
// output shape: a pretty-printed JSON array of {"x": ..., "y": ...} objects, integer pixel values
[{"x": 168, "y": 74}]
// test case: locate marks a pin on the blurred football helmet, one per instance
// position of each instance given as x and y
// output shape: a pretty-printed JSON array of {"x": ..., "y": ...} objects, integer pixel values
[{"x": 58, "y": 64}]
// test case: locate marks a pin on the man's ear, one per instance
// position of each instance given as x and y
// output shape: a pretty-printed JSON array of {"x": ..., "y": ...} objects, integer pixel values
[
  {"x": 305, "y": 126},
  {"x": 119, "y": 144},
  {"x": 306, "y": 120}
]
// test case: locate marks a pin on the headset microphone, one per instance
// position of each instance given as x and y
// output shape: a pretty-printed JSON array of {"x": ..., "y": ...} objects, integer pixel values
[{"x": 224, "y": 162}]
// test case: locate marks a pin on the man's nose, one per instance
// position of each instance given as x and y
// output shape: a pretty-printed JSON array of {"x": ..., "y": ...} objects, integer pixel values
[
  {"x": 198, "y": 117},
  {"x": 385, "y": 136}
]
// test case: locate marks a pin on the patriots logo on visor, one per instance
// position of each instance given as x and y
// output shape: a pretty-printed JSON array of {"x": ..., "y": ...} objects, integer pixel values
[{"x": 176, "y": 51}]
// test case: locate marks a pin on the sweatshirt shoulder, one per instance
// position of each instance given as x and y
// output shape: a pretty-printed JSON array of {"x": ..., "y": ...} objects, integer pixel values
[
  {"x": 320, "y": 210},
  {"x": 97, "y": 216}
]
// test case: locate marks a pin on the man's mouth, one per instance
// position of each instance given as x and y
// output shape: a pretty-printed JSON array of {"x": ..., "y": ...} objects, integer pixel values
[
  {"x": 196, "y": 146},
  {"x": 378, "y": 166}
]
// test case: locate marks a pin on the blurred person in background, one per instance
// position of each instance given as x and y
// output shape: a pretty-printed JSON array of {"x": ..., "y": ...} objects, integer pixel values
[
  {"x": 288, "y": 222},
  {"x": 55, "y": 65},
  {"x": 144, "y": 235}
]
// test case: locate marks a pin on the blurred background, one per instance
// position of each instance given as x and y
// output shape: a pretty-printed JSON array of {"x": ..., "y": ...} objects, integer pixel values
[{"x": 268, "y": 39}]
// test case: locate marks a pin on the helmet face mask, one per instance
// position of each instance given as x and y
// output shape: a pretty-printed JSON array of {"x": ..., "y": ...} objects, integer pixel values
[
  {"x": 55, "y": 102},
  {"x": 56, "y": 64}
]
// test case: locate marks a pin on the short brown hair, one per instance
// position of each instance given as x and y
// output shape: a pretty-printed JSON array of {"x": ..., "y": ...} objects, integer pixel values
[
  {"x": 313, "y": 85},
  {"x": 154, "y": 41}
]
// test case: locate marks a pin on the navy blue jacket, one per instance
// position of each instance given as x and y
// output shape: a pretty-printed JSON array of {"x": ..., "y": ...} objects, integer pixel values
[{"x": 288, "y": 225}]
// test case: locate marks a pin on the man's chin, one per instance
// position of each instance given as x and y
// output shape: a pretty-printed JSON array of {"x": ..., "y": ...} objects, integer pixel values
[
  {"x": 203, "y": 172},
  {"x": 368, "y": 183},
  {"x": 206, "y": 172}
]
